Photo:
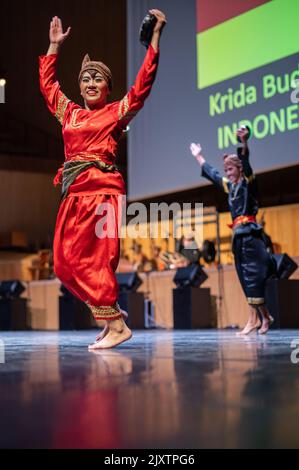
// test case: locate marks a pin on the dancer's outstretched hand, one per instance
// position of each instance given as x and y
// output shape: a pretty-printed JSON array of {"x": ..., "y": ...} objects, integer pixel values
[
  {"x": 243, "y": 134},
  {"x": 196, "y": 152},
  {"x": 195, "y": 149},
  {"x": 56, "y": 34},
  {"x": 161, "y": 20}
]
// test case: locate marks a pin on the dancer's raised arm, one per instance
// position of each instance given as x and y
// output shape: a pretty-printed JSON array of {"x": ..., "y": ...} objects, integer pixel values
[
  {"x": 195, "y": 149},
  {"x": 243, "y": 153},
  {"x": 56, "y": 35},
  {"x": 209, "y": 172},
  {"x": 134, "y": 100},
  {"x": 56, "y": 101},
  {"x": 161, "y": 22}
]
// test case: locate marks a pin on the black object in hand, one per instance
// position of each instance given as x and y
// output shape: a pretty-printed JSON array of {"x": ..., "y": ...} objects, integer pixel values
[
  {"x": 249, "y": 133},
  {"x": 146, "y": 29}
]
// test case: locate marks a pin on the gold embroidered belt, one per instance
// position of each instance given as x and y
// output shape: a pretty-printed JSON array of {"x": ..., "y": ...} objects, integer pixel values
[{"x": 72, "y": 168}]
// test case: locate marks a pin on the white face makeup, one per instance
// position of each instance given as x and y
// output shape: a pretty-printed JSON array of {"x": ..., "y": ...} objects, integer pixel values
[{"x": 94, "y": 89}]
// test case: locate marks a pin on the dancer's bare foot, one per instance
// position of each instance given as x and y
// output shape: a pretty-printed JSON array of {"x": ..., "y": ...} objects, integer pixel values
[
  {"x": 117, "y": 334},
  {"x": 249, "y": 328},
  {"x": 102, "y": 334},
  {"x": 267, "y": 322},
  {"x": 106, "y": 328}
]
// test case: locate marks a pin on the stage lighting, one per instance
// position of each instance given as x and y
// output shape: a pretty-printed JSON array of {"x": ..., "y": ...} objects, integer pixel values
[
  {"x": 208, "y": 251},
  {"x": 285, "y": 266},
  {"x": 11, "y": 289},
  {"x": 128, "y": 282},
  {"x": 2, "y": 88},
  {"x": 191, "y": 276}
]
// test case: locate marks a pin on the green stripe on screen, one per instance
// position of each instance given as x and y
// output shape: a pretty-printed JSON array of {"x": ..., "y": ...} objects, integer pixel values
[{"x": 258, "y": 37}]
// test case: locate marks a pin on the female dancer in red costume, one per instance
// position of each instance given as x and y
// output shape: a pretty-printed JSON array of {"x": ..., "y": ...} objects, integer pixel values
[{"x": 84, "y": 262}]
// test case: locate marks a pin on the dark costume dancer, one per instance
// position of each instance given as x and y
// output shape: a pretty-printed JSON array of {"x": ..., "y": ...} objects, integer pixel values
[
  {"x": 254, "y": 264},
  {"x": 84, "y": 262}
]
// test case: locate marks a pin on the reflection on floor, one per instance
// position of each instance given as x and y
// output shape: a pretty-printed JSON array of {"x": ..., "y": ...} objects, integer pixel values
[{"x": 162, "y": 389}]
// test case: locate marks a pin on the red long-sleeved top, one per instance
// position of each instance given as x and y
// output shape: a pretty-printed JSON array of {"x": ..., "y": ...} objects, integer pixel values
[{"x": 88, "y": 134}]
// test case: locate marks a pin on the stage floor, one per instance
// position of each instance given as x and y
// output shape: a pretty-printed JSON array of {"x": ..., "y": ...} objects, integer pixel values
[{"x": 162, "y": 389}]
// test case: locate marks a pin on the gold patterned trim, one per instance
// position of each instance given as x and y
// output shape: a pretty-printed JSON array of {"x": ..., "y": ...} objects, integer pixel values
[
  {"x": 256, "y": 300},
  {"x": 225, "y": 184},
  {"x": 74, "y": 122},
  {"x": 123, "y": 107},
  {"x": 249, "y": 179},
  {"x": 61, "y": 107},
  {"x": 105, "y": 312}
]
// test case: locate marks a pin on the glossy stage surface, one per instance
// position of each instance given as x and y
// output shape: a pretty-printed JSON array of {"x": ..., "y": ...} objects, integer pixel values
[{"x": 162, "y": 389}]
